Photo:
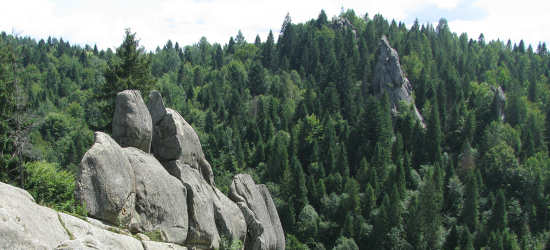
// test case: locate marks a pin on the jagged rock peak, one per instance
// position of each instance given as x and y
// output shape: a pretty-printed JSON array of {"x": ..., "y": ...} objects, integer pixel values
[
  {"x": 389, "y": 76},
  {"x": 500, "y": 101}
]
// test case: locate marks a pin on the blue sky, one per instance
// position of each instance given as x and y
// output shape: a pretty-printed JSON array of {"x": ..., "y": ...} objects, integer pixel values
[{"x": 102, "y": 22}]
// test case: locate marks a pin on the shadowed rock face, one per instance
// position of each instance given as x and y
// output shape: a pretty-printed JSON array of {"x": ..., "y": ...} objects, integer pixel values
[
  {"x": 389, "y": 77},
  {"x": 264, "y": 226},
  {"x": 132, "y": 124}
]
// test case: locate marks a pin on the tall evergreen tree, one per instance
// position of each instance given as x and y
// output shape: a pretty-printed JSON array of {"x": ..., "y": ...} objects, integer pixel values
[{"x": 132, "y": 70}]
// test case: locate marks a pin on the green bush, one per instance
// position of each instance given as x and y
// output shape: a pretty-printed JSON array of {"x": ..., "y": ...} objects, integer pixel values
[{"x": 53, "y": 187}]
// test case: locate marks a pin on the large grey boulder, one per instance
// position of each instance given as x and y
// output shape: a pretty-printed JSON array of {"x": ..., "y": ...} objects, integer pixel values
[
  {"x": 175, "y": 139},
  {"x": 161, "y": 199},
  {"x": 203, "y": 232},
  {"x": 86, "y": 234},
  {"x": 105, "y": 182},
  {"x": 388, "y": 76},
  {"x": 132, "y": 123},
  {"x": 26, "y": 225},
  {"x": 264, "y": 226}
]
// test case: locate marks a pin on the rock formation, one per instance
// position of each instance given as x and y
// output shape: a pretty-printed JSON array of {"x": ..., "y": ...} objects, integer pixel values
[
  {"x": 500, "y": 98},
  {"x": 128, "y": 190},
  {"x": 172, "y": 189},
  {"x": 389, "y": 76}
]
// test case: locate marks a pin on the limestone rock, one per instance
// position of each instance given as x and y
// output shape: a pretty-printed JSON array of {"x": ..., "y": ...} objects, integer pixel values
[
  {"x": 264, "y": 227},
  {"x": 132, "y": 123},
  {"x": 153, "y": 245},
  {"x": 105, "y": 181},
  {"x": 161, "y": 200},
  {"x": 26, "y": 225},
  {"x": 389, "y": 76},
  {"x": 203, "y": 232},
  {"x": 175, "y": 139},
  {"x": 87, "y": 233},
  {"x": 501, "y": 102}
]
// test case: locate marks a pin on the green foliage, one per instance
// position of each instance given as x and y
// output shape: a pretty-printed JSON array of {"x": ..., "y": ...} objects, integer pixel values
[
  {"x": 53, "y": 187},
  {"x": 225, "y": 244},
  {"x": 131, "y": 70}
]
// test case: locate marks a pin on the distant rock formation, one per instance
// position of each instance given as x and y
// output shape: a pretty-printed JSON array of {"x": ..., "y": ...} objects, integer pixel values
[
  {"x": 341, "y": 23},
  {"x": 500, "y": 98},
  {"x": 388, "y": 76}
]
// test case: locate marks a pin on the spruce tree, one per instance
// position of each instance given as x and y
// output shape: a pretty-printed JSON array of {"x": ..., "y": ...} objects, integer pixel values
[
  {"x": 499, "y": 219},
  {"x": 469, "y": 215},
  {"x": 433, "y": 134},
  {"x": 132, "y": 70}
]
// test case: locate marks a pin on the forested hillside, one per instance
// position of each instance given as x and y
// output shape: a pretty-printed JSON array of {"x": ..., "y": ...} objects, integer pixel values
[{"x": 299, "y": 112}]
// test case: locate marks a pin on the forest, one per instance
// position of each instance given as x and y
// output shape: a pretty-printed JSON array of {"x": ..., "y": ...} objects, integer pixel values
[{"x": 299, "y": 112}]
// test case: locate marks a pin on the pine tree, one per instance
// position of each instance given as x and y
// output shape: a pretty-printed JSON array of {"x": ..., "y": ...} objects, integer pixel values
[
  {"x": 400, "y": 180},
  {"x": 433, "y": 134},
  {"x": 499, "y": 219},
  {"x": 369, "y": 201},
  {"x": 299, "y": 185},
  {"x": 469, "y": 215},
  {"x": 466, "y": 241},
  {"x": 131, "y": 71},
  {"x": 413, "y": 223}
]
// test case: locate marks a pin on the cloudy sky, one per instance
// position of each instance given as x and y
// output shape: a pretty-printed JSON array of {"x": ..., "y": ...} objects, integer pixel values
[{"x": 102, "y": 22}]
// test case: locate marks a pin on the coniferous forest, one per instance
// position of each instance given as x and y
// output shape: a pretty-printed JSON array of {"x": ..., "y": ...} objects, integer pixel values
[{"x": 299, "y": 112}]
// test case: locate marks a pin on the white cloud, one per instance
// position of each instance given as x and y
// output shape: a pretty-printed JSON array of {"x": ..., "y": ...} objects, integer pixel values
[
  {"x": 102, "y": 22},
  {"x": 527, "y": 20}
]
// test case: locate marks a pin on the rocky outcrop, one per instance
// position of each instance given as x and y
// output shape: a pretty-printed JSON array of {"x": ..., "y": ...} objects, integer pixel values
[
  {"x": 264, "y": 226},
  {"x": 389, "y": 76},
  {"x": 132, "y": 124},
  {"x": 105, "y": 181},
  {"x": 128, "y": 191},
  {"x": 26, "y": 225},
  {"x": 500, "y": 99}
]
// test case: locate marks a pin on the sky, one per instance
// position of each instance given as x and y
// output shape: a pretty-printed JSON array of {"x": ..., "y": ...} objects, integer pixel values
[{"x": 102, "y": 22}]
